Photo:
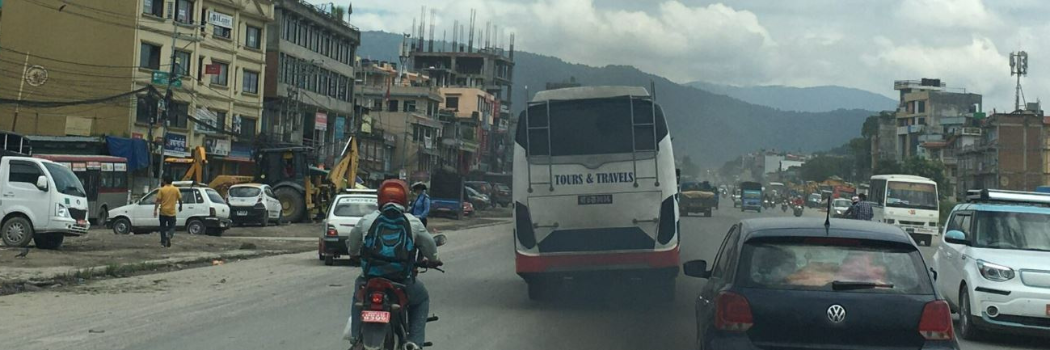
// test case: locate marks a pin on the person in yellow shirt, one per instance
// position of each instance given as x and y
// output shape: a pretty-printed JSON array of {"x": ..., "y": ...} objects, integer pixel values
[{"x": 167, "y": 196}]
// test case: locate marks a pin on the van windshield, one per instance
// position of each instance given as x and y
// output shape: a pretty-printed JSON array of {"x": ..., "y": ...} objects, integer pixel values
[
  {"x": 65, "y": 181},
  {"x": 1006, "y": 230}
]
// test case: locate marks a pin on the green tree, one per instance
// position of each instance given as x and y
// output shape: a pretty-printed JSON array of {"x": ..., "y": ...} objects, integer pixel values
[{"x": 822, "y": 167}]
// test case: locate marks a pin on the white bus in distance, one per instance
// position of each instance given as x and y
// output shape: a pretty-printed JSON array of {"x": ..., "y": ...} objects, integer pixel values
[
  {"x": 595, "y": 190},
  {"x": 908, "y": 201}
]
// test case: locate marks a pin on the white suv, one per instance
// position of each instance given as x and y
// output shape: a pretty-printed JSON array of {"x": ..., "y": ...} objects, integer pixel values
[
  {"x": 253, "y": 203},
  {"x": 993, "y": 265},
  {"x": 203, "y": 212}
]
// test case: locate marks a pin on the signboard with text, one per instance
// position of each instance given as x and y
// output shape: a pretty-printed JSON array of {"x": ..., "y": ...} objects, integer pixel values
[
  {"x": 219, "y": 147},
  {"x": 220, "y": 19},
  {"x": 175, "y": 145},
  {"x": 321, "y": 121}
]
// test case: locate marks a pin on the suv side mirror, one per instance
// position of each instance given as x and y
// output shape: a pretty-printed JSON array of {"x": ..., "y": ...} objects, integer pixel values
[
  {"x": 41, "y": 183},
  {"x": 696, "y": 268},
  {"x": 956, "y": 237}
]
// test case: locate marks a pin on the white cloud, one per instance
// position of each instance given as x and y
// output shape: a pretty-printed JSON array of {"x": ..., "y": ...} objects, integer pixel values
[{"x": 948, "y": 13}]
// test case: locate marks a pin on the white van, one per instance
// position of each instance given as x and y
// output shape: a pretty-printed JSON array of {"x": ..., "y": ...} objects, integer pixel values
[
  {"x": 909, "y": 202},
  {"x": 595, "y": 189},
  {"x": 40, "y": 200}
]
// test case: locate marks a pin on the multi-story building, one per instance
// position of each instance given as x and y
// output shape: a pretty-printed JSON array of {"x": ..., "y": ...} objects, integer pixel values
[
  {"x": 96, "y": 60},
  {"x": 926, "y": 110},
  {"x": 311, "y": 53},
  {"x": 468, "y": 128},
  {"x": 1008, "y": 153},
  {"x": 405, "y": 109}
]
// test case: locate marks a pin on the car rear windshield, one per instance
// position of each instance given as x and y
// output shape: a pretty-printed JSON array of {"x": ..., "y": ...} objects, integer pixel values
[
  {"x": 828, "y": 264},
  {"x": 214, "y": 196},
  {"x": 355, "y": 207},
  {"x": 245, "y": 192}
]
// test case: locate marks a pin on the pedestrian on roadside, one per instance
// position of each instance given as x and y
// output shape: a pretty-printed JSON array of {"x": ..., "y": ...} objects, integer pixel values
[
  {"x": 421, "y": 206},
  {"x": 167, "y": 196},
  {"x": 851, "y": 213},
  {"x": 863, "y": 208}
]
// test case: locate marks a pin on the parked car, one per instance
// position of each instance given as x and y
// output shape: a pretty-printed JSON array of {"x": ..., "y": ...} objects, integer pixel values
[
  {"x": 814, "y": 200},
  {"x": 344, "y": 213},
  {"x": 992, "y": 264},
  {"x": 204, "y": 211},
  {"x": 253, "y": 203},
  {"x": 794, "y": 283},
  {"x": 478, "y": 199},
  {"x": 483, "y": 188},
  {"x": 501, "y": 194}
]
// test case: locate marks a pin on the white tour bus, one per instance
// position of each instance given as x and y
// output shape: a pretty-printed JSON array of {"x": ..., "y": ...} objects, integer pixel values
[
  {"x": 908, "y": 201},
  {"x": 595, "y": 189}
]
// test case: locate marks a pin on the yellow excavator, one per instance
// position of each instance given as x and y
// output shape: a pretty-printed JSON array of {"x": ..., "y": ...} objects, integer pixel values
[{"x": 300, "y": 187}]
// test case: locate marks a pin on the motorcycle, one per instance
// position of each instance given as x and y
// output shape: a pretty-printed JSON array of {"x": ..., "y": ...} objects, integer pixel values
[
  {"x": 798, "y": 210},
  {"x": 784, "y": 207},
  {"x": 384, "y": 311}
]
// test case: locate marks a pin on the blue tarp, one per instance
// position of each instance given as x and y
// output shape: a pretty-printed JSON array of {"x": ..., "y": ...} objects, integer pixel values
[{"x": 133, "y": 149}]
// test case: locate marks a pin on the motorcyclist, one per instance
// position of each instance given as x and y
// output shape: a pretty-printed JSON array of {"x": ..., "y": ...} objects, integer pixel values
[{"x": 392, "y": 200}]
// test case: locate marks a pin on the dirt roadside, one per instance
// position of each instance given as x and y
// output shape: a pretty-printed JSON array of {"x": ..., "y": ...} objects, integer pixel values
[{"x": 102, "y": 254}]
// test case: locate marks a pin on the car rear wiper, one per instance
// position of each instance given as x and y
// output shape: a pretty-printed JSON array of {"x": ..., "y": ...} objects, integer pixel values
[{"x": 850, "y": 285}]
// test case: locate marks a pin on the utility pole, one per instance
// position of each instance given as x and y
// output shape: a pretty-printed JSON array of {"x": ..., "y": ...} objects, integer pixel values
[
  {"x": 21, "y": 84},
  {"x": 404, "y": 56},
  {"x": 168, "y": 97}
]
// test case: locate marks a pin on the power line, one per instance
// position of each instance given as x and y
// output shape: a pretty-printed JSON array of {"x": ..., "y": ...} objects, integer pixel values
[
  {"x": 53, "y": 104},
  {"x": 71, "y": 62}
]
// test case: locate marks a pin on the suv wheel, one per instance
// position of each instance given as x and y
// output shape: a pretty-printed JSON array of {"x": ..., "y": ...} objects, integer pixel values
[{"x": 967, "y": 330}]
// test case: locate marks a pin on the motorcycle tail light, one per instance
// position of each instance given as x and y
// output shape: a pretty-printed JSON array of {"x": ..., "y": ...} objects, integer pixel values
[{"x": 377, "y": 301}]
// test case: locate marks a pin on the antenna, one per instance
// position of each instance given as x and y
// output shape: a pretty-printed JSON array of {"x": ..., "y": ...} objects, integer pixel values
[
  {"x": 1018, "y": 67},
  {"x": 827, "y": 219}
]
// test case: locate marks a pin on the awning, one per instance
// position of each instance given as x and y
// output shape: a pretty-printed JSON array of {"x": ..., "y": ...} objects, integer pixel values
[{"x": 134, "y": 150}]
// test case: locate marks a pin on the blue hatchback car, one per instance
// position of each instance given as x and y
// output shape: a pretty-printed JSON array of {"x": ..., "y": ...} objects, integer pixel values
[{"x": 790, "y": 283}]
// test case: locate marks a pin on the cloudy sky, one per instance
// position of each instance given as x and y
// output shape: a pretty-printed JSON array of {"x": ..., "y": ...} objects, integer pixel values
[{"x": 857, "y": 43}]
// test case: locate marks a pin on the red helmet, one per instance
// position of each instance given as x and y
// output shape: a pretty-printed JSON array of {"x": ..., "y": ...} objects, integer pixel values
[{"x": 393, "y": 191}]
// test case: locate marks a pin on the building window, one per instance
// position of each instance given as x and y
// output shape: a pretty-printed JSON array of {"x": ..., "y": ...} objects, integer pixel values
[
  {"x": 410, "y": 106},
  {"x": 182, "y": 63},
  {"x": 220, "y": 120},
  {"x": 177, "y": 114},
  {"x": 922, "y": 107},
  {"x": 220, "y": 31},
  {"x": 392, "y": 105},
  {"x": 252, "y": 36},
  {"x": 144, "y": 110},
  {"x": 247, "y": 128},
  {"x": 149, "y": 57},
  {"x": 184, "y": 11},
  {"x": 452, "y": 103},
  {"x": 153, "y": 7},
  {"x": 251, "y": 82},
  {"x": 922, "y": 121},
  {"x": 221, "y": 78},
  {"x": 333, "y": 85}
]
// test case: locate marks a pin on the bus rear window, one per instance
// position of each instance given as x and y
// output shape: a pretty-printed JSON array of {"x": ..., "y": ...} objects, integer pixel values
[{"x": 589, "y": 127}]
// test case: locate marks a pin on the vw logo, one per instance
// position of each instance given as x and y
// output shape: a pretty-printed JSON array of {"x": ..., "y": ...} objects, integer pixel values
[{"x": 836, "y": 313}]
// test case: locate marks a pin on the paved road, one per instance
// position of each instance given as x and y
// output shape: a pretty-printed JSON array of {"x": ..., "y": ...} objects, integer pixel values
[{"x": 294, "y": 302}]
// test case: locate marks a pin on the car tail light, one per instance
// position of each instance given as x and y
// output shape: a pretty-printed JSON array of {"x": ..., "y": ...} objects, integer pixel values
[
  {"x": 211, "y": 211},
  {"x": 936, "y": 322},
  {"x": 331, "y": 231},
  {"x": 732, "y": 313}
]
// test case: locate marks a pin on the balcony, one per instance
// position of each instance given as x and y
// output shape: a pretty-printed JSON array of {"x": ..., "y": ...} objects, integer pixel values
[{"x": 910, "y": 129}]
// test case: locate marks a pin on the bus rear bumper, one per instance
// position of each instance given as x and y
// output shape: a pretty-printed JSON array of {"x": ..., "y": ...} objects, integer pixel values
[{"x": 596, "y": 263}]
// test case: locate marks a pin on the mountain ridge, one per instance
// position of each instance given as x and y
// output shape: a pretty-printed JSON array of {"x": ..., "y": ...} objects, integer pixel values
[{"x": 803, "y": 99}]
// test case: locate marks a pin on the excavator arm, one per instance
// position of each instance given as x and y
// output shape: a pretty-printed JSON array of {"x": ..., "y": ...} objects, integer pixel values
[
  {"x": 344, "y": 172},
  {"x": 197, "y": 160}
]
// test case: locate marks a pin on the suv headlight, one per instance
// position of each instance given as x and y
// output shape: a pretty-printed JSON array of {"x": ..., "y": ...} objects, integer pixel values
[
  {"x": 61, "y": 211},
  {"x": 995, "y": 272}
]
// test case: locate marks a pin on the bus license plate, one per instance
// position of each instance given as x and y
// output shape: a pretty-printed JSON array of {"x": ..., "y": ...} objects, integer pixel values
[
  {"x": 375, "y": 317},
  {"x": 594, "y": 199}
]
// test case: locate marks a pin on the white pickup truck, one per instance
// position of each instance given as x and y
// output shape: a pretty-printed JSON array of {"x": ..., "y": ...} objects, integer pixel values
[{"x": 40, "y": 200}]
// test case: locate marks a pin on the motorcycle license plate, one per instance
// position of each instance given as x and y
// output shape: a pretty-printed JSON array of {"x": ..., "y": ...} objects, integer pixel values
[
  {"x": 375, "y": 317},
  {"x": 242, "y": 213}
]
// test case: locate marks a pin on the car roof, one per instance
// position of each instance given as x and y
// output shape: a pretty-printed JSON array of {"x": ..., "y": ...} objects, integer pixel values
[
  {"x": 248, "y": 185},
  {"x": 356, "y": 195},
  {"x": 814, "y": 227},
  {"x": 1001, "y": 207}
]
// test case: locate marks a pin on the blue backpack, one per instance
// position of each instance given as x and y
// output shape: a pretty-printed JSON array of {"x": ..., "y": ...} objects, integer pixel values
[{"x": 389, "y": 251}]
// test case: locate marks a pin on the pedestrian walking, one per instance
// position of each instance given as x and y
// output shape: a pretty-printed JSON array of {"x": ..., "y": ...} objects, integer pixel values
[
  {"x": 863, "y": 209},
  {"x": 167, "y": 196}
]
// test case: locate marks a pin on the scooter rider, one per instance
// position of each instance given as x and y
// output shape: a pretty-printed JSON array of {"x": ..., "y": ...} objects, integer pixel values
[{"x": 392, "y": 200}]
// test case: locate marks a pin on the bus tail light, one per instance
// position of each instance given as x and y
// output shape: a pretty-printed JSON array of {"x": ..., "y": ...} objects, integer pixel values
[{"x": 523, "y": 226}]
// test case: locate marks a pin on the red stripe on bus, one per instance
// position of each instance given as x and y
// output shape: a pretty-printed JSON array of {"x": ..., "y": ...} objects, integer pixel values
[{"x": 588, "y": 261}]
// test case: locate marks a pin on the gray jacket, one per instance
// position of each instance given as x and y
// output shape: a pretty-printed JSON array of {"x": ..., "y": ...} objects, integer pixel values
[{"x": 422, "y": 238}]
